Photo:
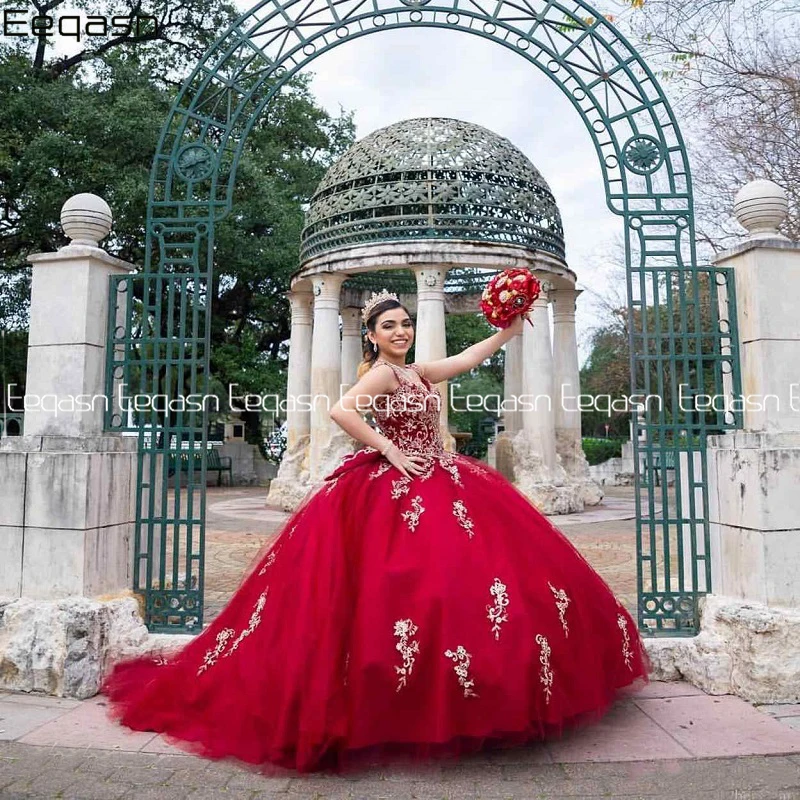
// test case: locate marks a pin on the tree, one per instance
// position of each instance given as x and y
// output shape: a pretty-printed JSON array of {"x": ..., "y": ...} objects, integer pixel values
[
  {"x": 94, "y": 127},
  {"x": 735, "y": 71}
]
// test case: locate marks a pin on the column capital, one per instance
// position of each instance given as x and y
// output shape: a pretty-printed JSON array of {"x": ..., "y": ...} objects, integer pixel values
[
  {"x": 564, "y": 303},
  {"x": 327, "y": 287},
  {"x": 430, "y": 279},
  {"x": 302, "y": 305},
  {"x": 546, "y": 287},
  {"x": 351, "y": 321}
]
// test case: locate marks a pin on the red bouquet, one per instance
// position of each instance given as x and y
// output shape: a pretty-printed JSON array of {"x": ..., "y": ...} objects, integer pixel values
[{"x": 509, "y": 293}]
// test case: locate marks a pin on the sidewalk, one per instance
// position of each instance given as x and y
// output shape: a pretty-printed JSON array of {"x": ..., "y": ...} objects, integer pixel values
[{"x": 669, "y": 742}]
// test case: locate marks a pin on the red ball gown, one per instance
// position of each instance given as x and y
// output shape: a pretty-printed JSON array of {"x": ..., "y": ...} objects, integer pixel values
[{"x": 419, "y": 617}]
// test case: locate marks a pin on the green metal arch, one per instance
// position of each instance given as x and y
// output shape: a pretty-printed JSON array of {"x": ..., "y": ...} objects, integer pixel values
[
  {"x": 634, "y": 131},
  {"x": 682, "y": 322}
]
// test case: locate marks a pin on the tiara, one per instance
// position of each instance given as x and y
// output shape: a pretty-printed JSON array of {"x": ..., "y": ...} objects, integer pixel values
[{"x": 373, "y": 301}]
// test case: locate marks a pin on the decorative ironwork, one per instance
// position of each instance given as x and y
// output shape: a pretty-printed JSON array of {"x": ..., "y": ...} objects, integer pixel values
[
  {"x": 643, "y": 154},
  {"x": 195, "y": 162},
  {"x": 432, "y": 178},
  {"x": 620, "y": 102}
]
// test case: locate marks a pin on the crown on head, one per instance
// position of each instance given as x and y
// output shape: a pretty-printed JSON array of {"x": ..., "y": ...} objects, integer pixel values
[{"x": 373, "y": 301}]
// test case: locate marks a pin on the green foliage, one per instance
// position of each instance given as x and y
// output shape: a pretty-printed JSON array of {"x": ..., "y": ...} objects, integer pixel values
[
  {"x": 599, "y": 450},
  {"x": 481, "y": 384},
  {"x": 93, "y": 126}
]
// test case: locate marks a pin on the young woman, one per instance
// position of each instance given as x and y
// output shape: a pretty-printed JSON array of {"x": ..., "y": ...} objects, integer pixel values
[{"x": 416, "y": 605}]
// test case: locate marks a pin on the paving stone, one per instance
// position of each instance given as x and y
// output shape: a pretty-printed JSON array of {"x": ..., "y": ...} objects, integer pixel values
[
  {"x": 143, "y": 775},
  {"x": 17, "y": 720},
  {"x": 156, "y": 793}
]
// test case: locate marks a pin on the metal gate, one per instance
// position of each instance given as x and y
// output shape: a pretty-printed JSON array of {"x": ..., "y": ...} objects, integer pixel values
[{"x": 682, "y": 323}]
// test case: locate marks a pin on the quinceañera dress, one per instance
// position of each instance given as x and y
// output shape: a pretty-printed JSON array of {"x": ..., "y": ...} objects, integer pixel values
[{"x": 418, "y": 616}]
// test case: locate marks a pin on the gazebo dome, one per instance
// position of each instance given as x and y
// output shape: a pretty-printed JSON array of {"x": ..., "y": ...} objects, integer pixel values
[{"x": 432, "y": 178}]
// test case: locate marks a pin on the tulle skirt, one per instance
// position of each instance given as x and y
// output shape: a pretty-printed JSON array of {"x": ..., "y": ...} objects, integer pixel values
[{"x": 394, "y": 619}]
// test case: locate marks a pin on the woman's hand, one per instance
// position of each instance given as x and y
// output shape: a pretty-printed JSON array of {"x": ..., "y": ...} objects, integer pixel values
[
  {"x": 516, "y": 326},
  {"x": 395, "y": 456}
]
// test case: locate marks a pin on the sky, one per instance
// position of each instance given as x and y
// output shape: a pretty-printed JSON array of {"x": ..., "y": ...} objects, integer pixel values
[{"x": 400, "y": 74}]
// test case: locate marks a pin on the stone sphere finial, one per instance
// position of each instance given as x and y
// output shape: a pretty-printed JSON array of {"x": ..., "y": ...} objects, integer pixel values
[
  {"x": 761, "y": 206},
  {"x": 86, "y": 219}
]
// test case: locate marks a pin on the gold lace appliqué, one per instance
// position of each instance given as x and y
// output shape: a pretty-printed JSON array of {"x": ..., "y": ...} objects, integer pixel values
[
  {"x": 255, "y": 621},
  {"x": 400, "y": 487},
  {"x": 460, "y": 510},
  {"x": 462, "y": 659},
  {"x": 562, "y": 603},
  {"x": 211, "y": 656},
  {"x": 412, "y": 517},
  {"x": 627, "y": 653},
  {"x": 404, "y": 630},
  {"x": 546, "y": 674},
  {"x": 268, "y": 563},
  {"x": 497, "y": 612},
  {"x": 379, "y": 470}
]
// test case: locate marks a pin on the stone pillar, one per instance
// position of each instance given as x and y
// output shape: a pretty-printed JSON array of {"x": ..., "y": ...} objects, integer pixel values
[
  {"x": 537, "y": 380},
  {"x": 512, "y": 386},
  {"x": 287, "y": 488},
  {"x": 430, "y": 338},
  {"x": 537, "y": 468},
  {"x": 749, "y": 641},
  {"x": 351, "y": 346},
  {"x": 753, "y": 474},
  {"x": 567, "y": 387},
  {"x": 503, "y": 450},
  {"x": 328, "y": 441},
  {"x": 67, "y": 488}
]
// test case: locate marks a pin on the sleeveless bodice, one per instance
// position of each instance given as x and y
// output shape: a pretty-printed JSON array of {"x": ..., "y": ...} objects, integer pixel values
[{"x": 410, "y": 415}]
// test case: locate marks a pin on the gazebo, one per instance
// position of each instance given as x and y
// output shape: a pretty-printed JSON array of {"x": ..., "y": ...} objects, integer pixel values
[{"x": 431, "y": 208}]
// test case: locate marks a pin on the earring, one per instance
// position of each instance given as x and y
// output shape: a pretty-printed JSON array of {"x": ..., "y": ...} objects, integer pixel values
[{"x": 375, "y": 346}]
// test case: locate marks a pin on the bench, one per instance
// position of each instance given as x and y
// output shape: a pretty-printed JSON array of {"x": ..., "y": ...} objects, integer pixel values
[{"x": 214, "y": 463}]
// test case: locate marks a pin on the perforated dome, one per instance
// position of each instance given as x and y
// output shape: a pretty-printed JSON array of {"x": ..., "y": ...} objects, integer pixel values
[{"x": 432, "y": 178}]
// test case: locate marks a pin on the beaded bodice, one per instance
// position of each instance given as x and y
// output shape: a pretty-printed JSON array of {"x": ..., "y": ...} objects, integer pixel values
[{"x": 410, "y": 415}]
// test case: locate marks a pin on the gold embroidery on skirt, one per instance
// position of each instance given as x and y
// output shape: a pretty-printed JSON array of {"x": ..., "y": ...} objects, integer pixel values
[
  {"x": 412, "y": 517},
  {"x": 627, "y": 653},
  {"x": 211, "y": 656},
  {"x": 460, "y": 510},
  {"x": 462, "y": 658},
  {"x": 497, "y": 612},
  {"x": 405, "y": 629},
  {"x": 562, "y": 602},
  {"x": 546, "y": 674}
]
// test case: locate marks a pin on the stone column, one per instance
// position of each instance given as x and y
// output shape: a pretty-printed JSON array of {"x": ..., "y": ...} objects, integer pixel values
[
  {"x": 328, "y": 442},
  {"x": 503, "y": 452},
  {"x": 430, "y": 338},
  {"x": 512, "y": 385},
  {"x": 289, "y": 485},
  {"x": 753, "y": 474},
  {"x": 566, "y": 371},
  {"x": 67, "y": 488},
  {"x": 537, "y": 380},
  {"x": 351, "y": 346},
  {"x": 567, "y": 387}
]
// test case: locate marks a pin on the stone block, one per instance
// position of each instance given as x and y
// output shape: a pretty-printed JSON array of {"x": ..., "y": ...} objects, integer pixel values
[
  {"x": 12, "y": 488},
  {"x": 53, "y": 563},
  {"x": 743, "y": 648},
  {"x": 756, "y": 480},
  {"x": 58, "y": 563},
  {"x": 79, "y": 490},
  {"x": 63, "y": 648},
  {"x": 10, "y": 560},
  {"x": 65, "y": 390}
]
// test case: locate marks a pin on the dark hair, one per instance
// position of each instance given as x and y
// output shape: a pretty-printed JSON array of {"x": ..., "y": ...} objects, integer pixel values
[{"x": 368, "y": 354}]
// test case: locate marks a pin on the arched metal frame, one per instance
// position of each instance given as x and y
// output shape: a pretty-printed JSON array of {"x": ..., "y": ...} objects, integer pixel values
[{"x": 681, "y": 320}]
